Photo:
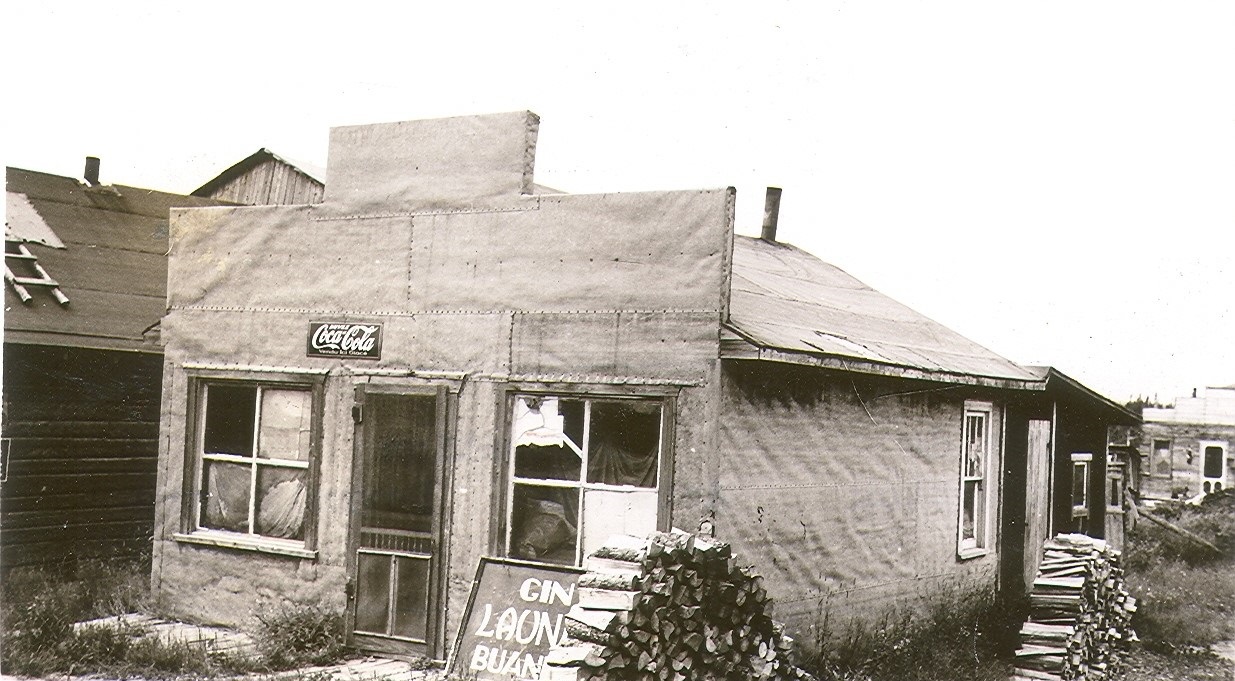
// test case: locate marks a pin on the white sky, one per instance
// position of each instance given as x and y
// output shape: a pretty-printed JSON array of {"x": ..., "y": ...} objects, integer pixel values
[{"x": 1055, "y": 180}]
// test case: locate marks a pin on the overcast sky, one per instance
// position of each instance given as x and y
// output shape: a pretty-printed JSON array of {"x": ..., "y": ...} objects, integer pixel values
[{"x": 1055, "y": 180}]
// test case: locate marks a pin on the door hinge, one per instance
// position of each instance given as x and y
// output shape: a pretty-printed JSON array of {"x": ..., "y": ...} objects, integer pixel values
[{"x": 357, "y": 413}]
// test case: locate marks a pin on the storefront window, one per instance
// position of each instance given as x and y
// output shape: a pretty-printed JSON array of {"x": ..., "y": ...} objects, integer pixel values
[
  {"x": 581, "y": 469},
  {"x": 253, "y": 454}
]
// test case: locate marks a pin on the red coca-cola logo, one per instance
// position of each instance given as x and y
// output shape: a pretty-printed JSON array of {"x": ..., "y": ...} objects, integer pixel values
[{"x": 336, "y": 339}]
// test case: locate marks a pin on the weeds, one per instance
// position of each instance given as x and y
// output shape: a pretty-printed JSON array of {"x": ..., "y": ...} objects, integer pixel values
[
  {"x": 957, "y": 635},
  {"x": 1186, "y": 592},
  {"x": 39, "y": 638},
  {"x": 299, "y": 635}
]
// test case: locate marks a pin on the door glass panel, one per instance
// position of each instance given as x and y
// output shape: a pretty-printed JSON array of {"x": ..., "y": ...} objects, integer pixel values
[
  {"x": 399, "y": 477},
  {"x": 372, "y": 593},
  {"x": 412, "y": 599}
]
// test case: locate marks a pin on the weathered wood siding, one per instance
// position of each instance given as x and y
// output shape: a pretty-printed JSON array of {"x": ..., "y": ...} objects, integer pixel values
[
  {"x": 82, "y": 427},
  {"x": 272, "y": 183}
]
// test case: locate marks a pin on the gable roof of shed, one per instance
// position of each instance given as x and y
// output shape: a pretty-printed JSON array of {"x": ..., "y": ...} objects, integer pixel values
[
  {"x": 315, "y": 173},
  {"x": 113, "y": 266},
  {"x": 787, "y": 305}
]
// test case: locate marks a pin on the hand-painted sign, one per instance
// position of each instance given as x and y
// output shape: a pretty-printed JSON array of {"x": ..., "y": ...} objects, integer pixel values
[
  {"x": 336, "y": 339},
  {"x": 516, "y": 611}
]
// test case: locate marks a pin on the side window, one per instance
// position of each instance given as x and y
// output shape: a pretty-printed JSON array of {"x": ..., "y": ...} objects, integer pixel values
[
  {"x": 252, "y": 452},
  {"x": 976, "y": 449},
  {"x": 1080, "y": 484},
  {"x": 580, "y": 469}
]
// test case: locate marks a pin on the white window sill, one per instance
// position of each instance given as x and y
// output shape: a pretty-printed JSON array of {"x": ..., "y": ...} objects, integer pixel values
[
  {"x": 971, "y": 553},
  {"x": 247, "y": 543}
]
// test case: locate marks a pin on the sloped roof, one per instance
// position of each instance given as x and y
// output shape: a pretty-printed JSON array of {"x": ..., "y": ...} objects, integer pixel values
[
  {"x": 1058, "y": 382},
  {"x": 113, "y": 266},
  {"x": 788, "y": 305}
]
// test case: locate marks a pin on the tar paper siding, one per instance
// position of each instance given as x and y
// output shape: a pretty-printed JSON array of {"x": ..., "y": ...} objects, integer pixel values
[
  {"x": 845, "y": 490},
  {"x": 81, "y": 426},
  {"x": 482, "y": 293}
]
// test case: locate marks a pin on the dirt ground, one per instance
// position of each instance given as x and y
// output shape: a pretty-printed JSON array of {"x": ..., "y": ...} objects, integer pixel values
[{"x": 1145, "y": 665}]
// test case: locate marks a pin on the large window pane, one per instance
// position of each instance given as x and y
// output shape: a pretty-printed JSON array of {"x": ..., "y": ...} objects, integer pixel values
[
  {"x": 285, "y": 430},
  {"x": 970, "y": 509},
  {"x": 281, "y": 502},
  {"x": 624, "y": 443},
  {"x": 230, "y": 413},
  {"x": 975, "y": 445},
  {"x": 225, "y": 496},
  {"x": 544, "y": 522},
  {"x": 547, "y": 463}
]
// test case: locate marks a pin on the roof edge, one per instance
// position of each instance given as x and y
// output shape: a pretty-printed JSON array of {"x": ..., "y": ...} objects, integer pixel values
[
  {"x": 1050, "y": 373},
  {"x": 745, "y": 349}
]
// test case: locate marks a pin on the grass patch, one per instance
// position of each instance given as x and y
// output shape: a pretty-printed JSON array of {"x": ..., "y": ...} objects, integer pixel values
[
  {"x": 300, "y": 635},
  {"x": 39, "y": 638},
  {"x": 1186, "y": 592},
  {"x": 958, "y": 635}
]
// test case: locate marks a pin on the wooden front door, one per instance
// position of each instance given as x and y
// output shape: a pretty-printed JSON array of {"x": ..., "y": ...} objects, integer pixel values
[
  {"x": 395, "y": 565},
  {"x": 1037, "y": 495}
]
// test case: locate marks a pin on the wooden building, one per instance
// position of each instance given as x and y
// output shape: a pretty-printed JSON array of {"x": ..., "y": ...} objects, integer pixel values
[
  {"x": 85, "y": 283},
  {"x": 1187, "y": 447},
  {"x": 266, "y": 179},
  {"x": 364, "y": 396},
  {"x": 1059, "y": 476}
]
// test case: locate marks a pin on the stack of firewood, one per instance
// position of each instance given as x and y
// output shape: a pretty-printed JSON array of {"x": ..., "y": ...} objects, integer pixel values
[
  {"x": 1079, "y": 613},
  {"x": 671, "y": 607}
]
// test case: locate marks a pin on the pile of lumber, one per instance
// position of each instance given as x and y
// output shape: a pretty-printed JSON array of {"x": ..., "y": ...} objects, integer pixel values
[
  {"x": 671, "y": 607},
  {"x": 1079, "y": 613}
]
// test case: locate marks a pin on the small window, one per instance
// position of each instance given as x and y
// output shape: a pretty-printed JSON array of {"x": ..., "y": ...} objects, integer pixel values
[
  {"x": 252, "y": 458},
  {"x": 975, "y": 474},
  {"x": 1114, "y": 491},
  {"x": 1080, "y": 484},
  {"x": 581, "y": 469},
  {"x": 1161, "y": 459}
]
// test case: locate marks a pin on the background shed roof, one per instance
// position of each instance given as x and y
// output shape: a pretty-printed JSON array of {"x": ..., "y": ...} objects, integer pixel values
[{"x": 113, "y": 266}]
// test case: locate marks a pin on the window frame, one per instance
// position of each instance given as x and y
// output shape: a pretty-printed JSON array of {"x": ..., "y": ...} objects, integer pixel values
[
  {"x": 505, "y": 480},
  {"x": 980, "y": 543},
  {"x": 1085, "y": 461},
  {"x": 191, "y": 531}
]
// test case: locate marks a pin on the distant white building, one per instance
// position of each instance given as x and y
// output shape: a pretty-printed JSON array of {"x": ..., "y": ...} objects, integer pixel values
[{"x": 1189, "y": 445}]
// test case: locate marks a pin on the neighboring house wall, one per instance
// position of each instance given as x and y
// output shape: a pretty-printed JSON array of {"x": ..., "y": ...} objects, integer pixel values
[
  {"x": 1177, "y": 441},
  {"x": 844, "y": 489},
  {"x": 81, "y": 427}
]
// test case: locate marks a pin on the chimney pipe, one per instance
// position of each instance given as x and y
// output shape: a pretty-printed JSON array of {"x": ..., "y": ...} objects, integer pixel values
[
  {"x": 92, "y": 171},
  {"x": 771, "y": 213}
]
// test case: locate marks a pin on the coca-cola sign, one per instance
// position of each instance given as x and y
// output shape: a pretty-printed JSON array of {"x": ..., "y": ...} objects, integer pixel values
[{"x": 335, "y": 339}]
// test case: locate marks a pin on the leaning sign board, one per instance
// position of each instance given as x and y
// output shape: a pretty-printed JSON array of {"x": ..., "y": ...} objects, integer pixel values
[{"x": 516, "y": 611}]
